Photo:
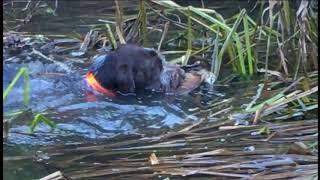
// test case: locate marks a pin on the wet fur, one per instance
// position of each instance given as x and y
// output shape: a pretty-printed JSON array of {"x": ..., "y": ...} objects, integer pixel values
[{"x": 130, "y": 67}]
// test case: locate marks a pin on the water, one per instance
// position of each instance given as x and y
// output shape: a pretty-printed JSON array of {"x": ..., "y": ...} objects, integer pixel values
[
  {"x": 63, "y": 98},
  {"x": 79, "y": 119}
]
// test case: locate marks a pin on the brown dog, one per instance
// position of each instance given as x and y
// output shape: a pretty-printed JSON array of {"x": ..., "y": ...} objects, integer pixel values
[{"x": 128, "y": 68}]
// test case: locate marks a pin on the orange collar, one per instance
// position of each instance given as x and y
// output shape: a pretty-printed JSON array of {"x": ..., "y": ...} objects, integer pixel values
[{"x": 96, "y": 85}]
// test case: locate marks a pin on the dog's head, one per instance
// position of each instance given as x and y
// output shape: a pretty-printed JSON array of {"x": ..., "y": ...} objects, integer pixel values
[
  {"x": 129, "y": 67},
  {"x": 148, "y": 69}
]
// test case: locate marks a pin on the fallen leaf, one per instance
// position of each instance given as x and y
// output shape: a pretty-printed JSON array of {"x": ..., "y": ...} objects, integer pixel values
[{"x": 153, "y": 159}]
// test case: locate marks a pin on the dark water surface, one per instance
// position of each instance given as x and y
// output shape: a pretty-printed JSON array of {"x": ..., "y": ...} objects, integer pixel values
[{"x": 64, "y": 100}]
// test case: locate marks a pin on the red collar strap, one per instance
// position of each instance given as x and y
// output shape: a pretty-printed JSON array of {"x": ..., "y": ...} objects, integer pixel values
[{"x": 91, "y": 79}]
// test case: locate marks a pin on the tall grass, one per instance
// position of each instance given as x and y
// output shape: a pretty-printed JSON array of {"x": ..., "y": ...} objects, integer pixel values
[
  {"x": 142, "y": 17},
  {"x": 275, "y": 29}
]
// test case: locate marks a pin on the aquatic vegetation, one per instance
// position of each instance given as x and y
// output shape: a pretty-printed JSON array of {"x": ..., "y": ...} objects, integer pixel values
[
  {"x": 111, "y": 37},
  {"x": 41, "y": 118},
  {"x": 241, "y": 42},
  {"x": 23, "y": 72}
]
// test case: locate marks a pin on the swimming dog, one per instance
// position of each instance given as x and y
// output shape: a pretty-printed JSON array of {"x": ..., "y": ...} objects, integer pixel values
[
  {"x": 125, "y": 70},
  {"x": 130, "y": 68}
]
